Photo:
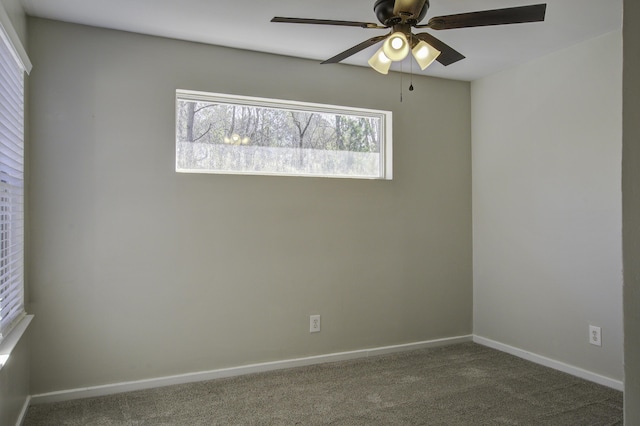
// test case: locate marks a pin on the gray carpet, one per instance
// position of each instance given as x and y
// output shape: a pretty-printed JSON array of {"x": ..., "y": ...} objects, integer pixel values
[{"x": 464, "y": 384}]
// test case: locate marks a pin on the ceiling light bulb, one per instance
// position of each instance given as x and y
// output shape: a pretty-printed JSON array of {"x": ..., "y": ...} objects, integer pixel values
[
  {"x": 383, "y": 58},
  {"x": 396, "y": 46},
  {"x": 380, "y": 62},
  {"x": 424, "y": 54}
]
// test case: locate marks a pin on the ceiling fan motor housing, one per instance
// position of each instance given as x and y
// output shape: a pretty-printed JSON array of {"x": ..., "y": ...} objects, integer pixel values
[{"x": 384, "y": 12}]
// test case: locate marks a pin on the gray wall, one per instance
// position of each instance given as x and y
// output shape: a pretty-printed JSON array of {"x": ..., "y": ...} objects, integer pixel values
[
  {"x": 631, "y": 210},
  {"x": 14, "y": 376},
  {"x": 139, "y": 272},
  {"x": 14, "y": 383},
  {"x": 547, "y": 205}
]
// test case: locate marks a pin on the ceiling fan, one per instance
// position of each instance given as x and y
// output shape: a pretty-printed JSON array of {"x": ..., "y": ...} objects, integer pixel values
[{"x": 402, "y": 15}]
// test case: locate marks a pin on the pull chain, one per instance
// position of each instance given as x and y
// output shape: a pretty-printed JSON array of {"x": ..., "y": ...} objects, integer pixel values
[
  {"x": 411, "y": 76},
  {"x": 401, "y": 81}
]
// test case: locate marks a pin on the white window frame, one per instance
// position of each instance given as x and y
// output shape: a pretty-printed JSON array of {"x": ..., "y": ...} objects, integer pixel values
[
  {"x": 13, "y": 65},
  {"x": 386, "y": 130}
]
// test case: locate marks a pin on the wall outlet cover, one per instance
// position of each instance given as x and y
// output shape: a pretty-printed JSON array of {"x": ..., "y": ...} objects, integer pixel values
[
  {"x": 595, "y": 335},
  {"x": 314, "y": 323}
]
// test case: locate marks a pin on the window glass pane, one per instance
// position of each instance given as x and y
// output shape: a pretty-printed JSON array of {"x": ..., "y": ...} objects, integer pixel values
[{"x": 224, "y": 134}]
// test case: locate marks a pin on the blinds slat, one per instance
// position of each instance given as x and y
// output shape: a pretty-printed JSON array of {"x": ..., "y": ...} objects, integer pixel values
[
  {"x": 12, "y": 126},
  {"x": 11, "y": 100},
  {"x": 9, "y": 298},
  {"x": 11, "y": 93},
  {"x": 9, "y": 84},
  {"x": 8, "y": 295},
  {"x": 11, "y": 115},
  {"x": 12, "y": 265}
]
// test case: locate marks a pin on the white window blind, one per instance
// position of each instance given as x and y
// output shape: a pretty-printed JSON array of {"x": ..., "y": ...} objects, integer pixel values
[{"x": 11, "y": 186}]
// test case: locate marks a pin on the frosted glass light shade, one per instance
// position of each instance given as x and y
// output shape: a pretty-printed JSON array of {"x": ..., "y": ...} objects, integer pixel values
[
  {"x": 396, "y": 46},
  {"x": 380, "y": 62},
  {"x": 425, "y": 54}
]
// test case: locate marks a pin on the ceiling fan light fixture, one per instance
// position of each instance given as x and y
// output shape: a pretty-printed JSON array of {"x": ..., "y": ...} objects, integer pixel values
[
  {"x": 396, "y": 46},
  {"x": 380, "y": 62},
  {"x": 424, "y": 54}
]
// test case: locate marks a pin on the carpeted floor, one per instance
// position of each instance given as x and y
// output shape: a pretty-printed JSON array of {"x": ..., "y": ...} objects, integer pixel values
[{"x": 464, "y": 384}]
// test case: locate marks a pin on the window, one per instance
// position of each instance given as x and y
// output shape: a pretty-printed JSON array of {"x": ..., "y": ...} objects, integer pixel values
[
  {"x": 244, "y": 135},
  {"x": 12, "y": 70}
]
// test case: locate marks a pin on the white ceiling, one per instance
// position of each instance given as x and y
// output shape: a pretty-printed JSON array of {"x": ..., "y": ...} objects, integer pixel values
[{"x": 244, "y": 24}]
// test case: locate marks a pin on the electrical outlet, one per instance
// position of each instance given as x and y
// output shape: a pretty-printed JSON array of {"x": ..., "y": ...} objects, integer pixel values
[
  {"x": 595, "y": 335},
  {"x": 314, "y": 323}
]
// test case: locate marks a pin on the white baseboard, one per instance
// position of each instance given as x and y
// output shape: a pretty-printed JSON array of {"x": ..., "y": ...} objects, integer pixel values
[
  {"x": 551, "y": 363},
  {"x": 114, "y": 388},
  {"x": 23, "y": 412}
]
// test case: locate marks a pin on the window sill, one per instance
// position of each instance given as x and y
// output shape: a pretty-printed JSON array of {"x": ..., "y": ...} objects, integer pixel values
[{"x": 11, "y": 341}]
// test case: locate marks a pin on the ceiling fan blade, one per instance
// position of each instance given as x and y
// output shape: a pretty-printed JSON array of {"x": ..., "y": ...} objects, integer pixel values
[
  {"x": 411, "y": 8},
  {"x": 511, "y": 15},
  {"x": 355, "y": 49},
  {"x": 325, "y": 22},
  {"x": 448, "y": 54}
]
